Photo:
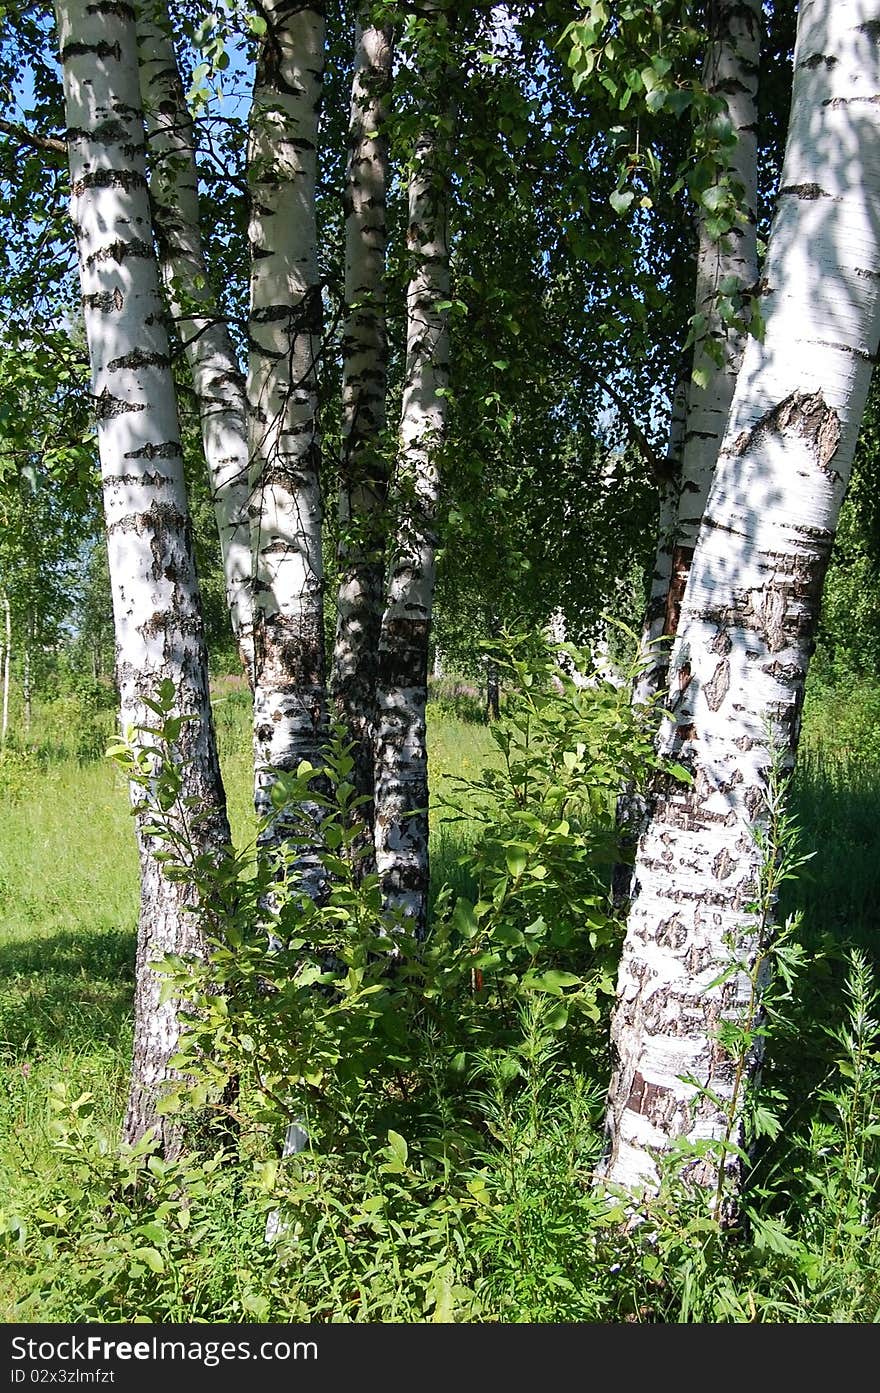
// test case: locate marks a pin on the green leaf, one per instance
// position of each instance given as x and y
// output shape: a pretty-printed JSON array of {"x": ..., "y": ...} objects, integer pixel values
[
  {"x": 621, "y": 199},
  {"x": 517, "y": 860},
  {"x": 398, "y": 1147},
  {"x": 151, "y": 1258},
  {"x": 679, "y": 772}
]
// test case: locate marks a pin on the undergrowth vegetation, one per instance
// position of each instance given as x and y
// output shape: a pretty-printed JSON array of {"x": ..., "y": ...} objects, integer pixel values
[{"x": 446, "y": 1097}]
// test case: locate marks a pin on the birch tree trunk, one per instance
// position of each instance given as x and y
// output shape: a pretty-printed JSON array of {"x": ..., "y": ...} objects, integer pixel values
[
  {"x": 364, "y": 473},
  {"x": 749, "y": 614},
  {"x": 217, "y": 378},
  {"x": 652, "y": 678},
  {"x": 284, "y": 329},
  {"x": 7, "y": 667},
  {"x": 725, "y": 269},
  {"x": 156, "y": 606},
  {"x": 27, "y": 686},
  {"x": 401, "y": 751}
]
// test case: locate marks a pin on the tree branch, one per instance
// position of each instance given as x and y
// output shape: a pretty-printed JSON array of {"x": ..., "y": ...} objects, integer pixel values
[{"x": 44, "y": 143}]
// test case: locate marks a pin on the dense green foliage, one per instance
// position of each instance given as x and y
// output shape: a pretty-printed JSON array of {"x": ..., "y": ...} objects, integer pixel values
[{"x": 450, "y": 1170}]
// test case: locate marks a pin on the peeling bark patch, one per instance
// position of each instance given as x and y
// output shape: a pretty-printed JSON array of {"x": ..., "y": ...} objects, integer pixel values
[
  {"x": 681, "y": 565},
  {"x": 805, "y": 414},
  {"x": 717, "y": 687},
  {"x": 642, "y": 1094}
]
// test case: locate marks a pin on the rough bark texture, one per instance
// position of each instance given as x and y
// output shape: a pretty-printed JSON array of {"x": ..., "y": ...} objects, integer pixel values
[
  {"x": 730, "y": 71},
  {"x": 749, "y": 613},
  {"x": 216, "y": 374},
  {"x": 401, "y": 753},
  {"x": 156, "y": 607},
  {"x": 284, "y": 330},
  {"x": 652, "y": 678},
  {"x": 364, "y": 472}
]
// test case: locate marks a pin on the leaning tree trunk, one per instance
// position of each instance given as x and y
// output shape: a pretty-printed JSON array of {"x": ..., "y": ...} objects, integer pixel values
[
  {"x": 156, "y": 604},
  {"x": 749, "y": 616},
  {"x": 401, "y": 752},
  {"x": 727, "y": 273},
  {"x": 364, "y": 473},
  {"x": 284, "y": 330},
  {"x": 216, "y": 375}
]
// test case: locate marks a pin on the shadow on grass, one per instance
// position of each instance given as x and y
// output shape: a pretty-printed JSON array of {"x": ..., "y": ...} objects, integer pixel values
[{"x": 71, "y": 989}]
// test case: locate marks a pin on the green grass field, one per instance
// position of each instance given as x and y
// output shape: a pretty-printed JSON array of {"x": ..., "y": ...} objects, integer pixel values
[{"x": 68, "y": 910}]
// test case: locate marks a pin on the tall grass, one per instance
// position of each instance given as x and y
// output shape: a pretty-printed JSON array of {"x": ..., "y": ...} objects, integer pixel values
[{"x": 524, "y": 1239}]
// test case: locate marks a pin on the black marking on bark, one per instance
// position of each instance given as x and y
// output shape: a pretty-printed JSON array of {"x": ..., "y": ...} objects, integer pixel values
[
  {"x": 120, "y": 251},
  {"x": 816, "y": 60},
  {"x": 755, "y": 800},
  {"x": 138, "y": 358},
  {"x": 723, "y": 864},
  {"x": 810, "y": 192},
  {"x": 289, "y": 655},
  {"x": 805, "y": 414},
  {"x": 102, "y": 50},
  {"x": 112, "y": 7},
  {"x": 168, "y": 449},
  {"x": 871, "y": 27},
  {"x": 104, "y": 301},
  {"x": 147, "y": 479},
  {"x": 846, "y": 348},
  {"x": 107, "y": 406},
  {"x": 127, "y": 179}
]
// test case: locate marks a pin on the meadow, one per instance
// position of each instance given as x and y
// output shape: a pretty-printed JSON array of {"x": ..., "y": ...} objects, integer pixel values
[{"x": 512, "y": 1230}]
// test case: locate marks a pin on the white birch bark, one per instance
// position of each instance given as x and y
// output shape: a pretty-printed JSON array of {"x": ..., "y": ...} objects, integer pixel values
[
  {"x": 7, "y": 667},
  {"x": 156, "y": 605},
  {"x": 27, "y": 686},
  {"x": 751, "y": 605},
  {"x": 364, "y": 466},
  {"x": 284, "y": 329},
  {"x": 401, "y": 827},
  {"x": 217, "y": 378},
  {"x": 654, "y": 655},
  {"x": 730, "y": 71}
]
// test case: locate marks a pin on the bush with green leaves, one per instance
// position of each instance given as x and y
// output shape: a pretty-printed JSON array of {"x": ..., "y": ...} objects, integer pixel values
[{"x": 450, "y": 1092}]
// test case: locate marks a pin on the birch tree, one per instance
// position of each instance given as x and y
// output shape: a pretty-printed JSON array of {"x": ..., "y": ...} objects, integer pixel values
[
  {"x": 401, "y": 821},
  {"x": 364, "y": 466},
  {"x": 284, "y": 329},
  {"x": 749, "y": 617},
  {"x": 216, "y": 374},
  {"x": 156, "y": 610},
  {"x": 726, "y": 274}
]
